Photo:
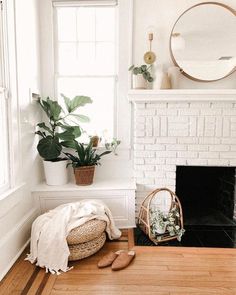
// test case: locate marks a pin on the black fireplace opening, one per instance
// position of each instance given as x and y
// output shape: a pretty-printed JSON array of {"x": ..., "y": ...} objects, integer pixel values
[{"x": 207, "y": 195}]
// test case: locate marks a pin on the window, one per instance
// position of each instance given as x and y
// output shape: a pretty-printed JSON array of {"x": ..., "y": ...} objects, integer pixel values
[
  {"x": 4, "y": 156},
  {"x": 85, "y": 58}
]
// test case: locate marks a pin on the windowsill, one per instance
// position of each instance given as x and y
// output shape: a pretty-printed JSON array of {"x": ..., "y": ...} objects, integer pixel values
[
  {"x": 10, "y": 191},
  {"x": 99, "y": 184}
]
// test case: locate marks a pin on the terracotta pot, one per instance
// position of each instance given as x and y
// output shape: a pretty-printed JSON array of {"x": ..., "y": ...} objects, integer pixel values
[{"x": 84, "y": 175}]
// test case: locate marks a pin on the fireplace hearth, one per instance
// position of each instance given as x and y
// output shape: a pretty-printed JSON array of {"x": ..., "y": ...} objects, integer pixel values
[{"x": 207, "y": 195}]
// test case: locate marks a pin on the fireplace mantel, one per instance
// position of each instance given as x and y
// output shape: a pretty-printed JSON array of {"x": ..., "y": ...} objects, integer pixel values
[{"x": 184, "y": 95}]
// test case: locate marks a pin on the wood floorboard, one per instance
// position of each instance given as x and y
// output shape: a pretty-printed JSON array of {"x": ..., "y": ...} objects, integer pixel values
[{"x": 155, "y": 270}]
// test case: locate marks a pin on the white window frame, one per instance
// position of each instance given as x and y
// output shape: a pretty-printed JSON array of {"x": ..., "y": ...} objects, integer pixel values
[
  {"x": 123, "y": 121},
  {"x": 57, "y": 76},
  {"x": 11, "y": 95}
]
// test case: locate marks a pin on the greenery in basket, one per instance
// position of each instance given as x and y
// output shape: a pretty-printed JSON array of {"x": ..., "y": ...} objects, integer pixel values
[
  {"x": 87, "y": 155},
  {"x": 142, "y": 70},
  {"x": 168, "y": 222},
  {"x": 62, "y": 126}
]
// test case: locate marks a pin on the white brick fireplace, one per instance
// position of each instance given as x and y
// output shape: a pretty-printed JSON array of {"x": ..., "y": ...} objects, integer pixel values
[{"x": 181, "y": 127}]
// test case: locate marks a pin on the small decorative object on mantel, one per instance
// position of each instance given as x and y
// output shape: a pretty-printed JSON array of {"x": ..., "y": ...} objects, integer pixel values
[
  {"x": 141, "y": 76},
  {"x": 174, "y": 75},
  {"x": 160, "y": 225},
  {"x": 166, "y": 83}
]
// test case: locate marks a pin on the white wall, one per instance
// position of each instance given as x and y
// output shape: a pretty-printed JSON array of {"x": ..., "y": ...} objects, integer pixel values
[
  {"x": 17, "y": 209},
  {"x": 162, "y": 14}
]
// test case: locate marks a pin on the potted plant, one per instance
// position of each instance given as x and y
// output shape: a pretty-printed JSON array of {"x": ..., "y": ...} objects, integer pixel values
[
  {"x": 85, "y": 161},
  {"x": 112, "y": 146},
  {"x": 165, "y": 222},
  {"x": 61, "y": 128},
  {"x": 141, "y": 76}
]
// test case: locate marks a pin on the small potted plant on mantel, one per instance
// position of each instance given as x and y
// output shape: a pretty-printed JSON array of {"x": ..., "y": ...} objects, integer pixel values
[
  {"x": 57, "y": 133},
  {"x": 141, "y": 76},
  {"x": 87, "y": 159}
]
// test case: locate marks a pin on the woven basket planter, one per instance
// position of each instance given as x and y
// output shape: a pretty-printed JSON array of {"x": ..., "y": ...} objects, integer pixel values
[
  {"x": 152, "y": 201},
  {"x": 84, "y": 175},
  {"x": 87, "y": 249},
  {"x": 88, "y": 231}
]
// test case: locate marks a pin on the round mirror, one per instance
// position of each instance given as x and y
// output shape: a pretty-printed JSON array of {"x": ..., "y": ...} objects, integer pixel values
[{"x": 203, "y": 42}]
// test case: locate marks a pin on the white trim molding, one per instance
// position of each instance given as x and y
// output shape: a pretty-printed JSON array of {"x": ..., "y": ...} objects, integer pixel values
[
  {"x": 18, "y": 239},
  {"x": 184, "y": 95}
]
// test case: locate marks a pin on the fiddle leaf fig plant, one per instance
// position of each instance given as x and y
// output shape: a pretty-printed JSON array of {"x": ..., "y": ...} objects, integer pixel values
[
  {"x": 62, "y": 127},
  {"x": 143, "y": 70}
]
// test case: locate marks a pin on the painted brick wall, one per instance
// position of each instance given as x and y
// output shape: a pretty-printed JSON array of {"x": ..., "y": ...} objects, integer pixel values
[{"x": 171, "y": 134}]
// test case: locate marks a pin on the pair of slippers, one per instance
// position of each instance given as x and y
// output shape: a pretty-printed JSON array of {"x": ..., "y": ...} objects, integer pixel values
[{"x": 117, "y": 260}]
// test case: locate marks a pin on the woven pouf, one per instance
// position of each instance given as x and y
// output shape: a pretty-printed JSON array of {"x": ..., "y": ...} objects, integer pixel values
[
  {"x": 83, "y": 250},
  {"x": 89, "y": 231}
]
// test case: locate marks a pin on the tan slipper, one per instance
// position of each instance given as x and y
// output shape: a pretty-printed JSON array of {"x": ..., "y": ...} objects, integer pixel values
[
  {"x": 123, "y": 260},
  {"x": 108, "y": 259}
]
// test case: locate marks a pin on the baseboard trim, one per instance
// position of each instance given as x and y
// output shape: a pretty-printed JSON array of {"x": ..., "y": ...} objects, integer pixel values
[
  {"x": 24, "y": 223},
  {"x": 14, "y": 259}
]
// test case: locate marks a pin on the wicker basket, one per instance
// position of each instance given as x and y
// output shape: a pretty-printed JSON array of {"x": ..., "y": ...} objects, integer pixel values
[
  {"x": 88, "y": 231},
  {"x": 145, "y": 214},
  {"x": 87, "y": 249},
  {"x": 84, "y": 175}
]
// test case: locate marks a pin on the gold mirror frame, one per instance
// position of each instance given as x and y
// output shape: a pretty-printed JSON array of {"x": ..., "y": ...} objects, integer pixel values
[{"x": 172, "y": 55}]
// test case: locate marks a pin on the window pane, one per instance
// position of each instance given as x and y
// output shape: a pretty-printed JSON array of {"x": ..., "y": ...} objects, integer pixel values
[
  {"x": 101, "y": 112},
  {"x": 105, "y": 24},
  {"x": 105, "y": 58},
  {"x": 67, "y": 57},
  {"x": 86, "y": 24},
  {"x": 66, "y": 19}
]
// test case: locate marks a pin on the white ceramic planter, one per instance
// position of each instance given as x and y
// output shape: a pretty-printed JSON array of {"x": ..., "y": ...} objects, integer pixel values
[
  {"x": 139, "y": 82},
  {"x": 56, "y": 172}
]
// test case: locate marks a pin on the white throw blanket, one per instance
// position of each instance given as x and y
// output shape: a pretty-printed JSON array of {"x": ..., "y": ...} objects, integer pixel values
[{"x": 49, "y": 247}]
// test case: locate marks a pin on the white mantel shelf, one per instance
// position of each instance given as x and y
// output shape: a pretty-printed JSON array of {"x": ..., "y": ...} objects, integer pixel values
[{"x": 182, "y": 95}]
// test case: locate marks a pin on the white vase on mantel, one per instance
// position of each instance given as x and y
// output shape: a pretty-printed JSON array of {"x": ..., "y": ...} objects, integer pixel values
[
  {"x": 139, "y": 82},
  {"x": 157, "y": 72},
  {"x": 174, "y": 76}
]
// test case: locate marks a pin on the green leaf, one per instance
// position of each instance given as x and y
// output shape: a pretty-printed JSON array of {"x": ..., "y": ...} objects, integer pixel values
[
  {"x": 43, "y": 126},
  {"x": 144, "y": 68},
  {"x": 104, "y": 153},
  {"x": 81, "y": 118},
  {"x": 49, "y": 148},
  {"x": 40, "y": 133},
  {"x": 66, "y": 135},
  {"x": 77, "y": 101},
  {"x": 150, "y": 79},
  {"x": 131, "y": 68},
  {"x": 54, "y": 108},
  {"x": 140, "y": 70},
  {"x": 72, "y": 144},
  {"x": 136, "y": 71}
]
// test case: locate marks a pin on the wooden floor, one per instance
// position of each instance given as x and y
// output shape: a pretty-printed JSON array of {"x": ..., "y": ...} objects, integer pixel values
[{"x": 155, "y": 270}]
